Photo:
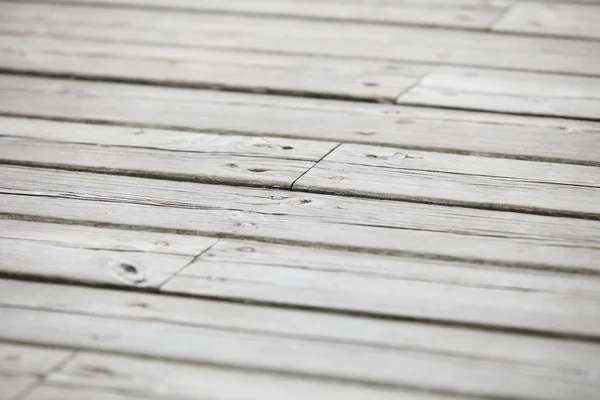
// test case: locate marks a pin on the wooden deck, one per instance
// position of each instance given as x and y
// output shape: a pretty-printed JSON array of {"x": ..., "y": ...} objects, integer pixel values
[{"x": 299, "y": 199}]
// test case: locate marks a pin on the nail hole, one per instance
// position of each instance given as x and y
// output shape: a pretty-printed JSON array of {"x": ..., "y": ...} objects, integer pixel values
[
  {"x": 232, "y": 165},
  {"x": 258, "y": 170},
  {"x": 287, "y": 147},
  {"x": 131, "y": 269}
]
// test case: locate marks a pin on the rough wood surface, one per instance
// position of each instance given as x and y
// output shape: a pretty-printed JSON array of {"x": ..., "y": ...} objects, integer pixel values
[
  {"x": 166, "y": 65},
  {"x": 397, "y": 287},
  {"x": 400, "y": 174},
  {"x": 93, "y": 255},
  {"x": 435, "y": 231},
  {"x": 507, "y": 91},
  {"x": 302, "y": 37},
  {"x": 50, "y": 392},
  {"x": 21, "y": 366},
  {"x": 501, "y": 375},
  {"x": 474, "y": 14},
  {"x": 252, "y": 114},
  {"x": 551, "y": 18},
  {"x": 251, "y": 161},
  {"x": 155, "y": 379}
]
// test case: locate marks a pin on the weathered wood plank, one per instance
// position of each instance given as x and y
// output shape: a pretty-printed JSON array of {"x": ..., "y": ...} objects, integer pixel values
[
  {"x": 97, "y": 374},
  {"x": 80, "y": 237},
  {"x": 50, "y": 392},
  {"x": 507, "y": 91},
  {"x": 167, "y": 65},
  {"x": 21, "y": 366},
  {"x": 398, "y": 174},
  {"x": 302, "y": 37},
  {"x": 122, "y": 258},
  {"x": 485, "y": 236},
  {"x": 165, "y": 154},
  {"x": 551, "y": 18},
  {"x": 397, "y": 287},
  {"x": 252, "y": 114},
  {"x": 502, "y": 375},
  {"x": 453, "y": 13}
]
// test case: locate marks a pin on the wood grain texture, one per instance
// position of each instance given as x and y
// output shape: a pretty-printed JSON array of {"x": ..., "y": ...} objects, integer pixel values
[
  {"x": 400, "y": 174},
  {"x": 554, "y": 19},
  {"x": 50, "y": 392},
  {"x": 154, "y": 379},
  {"x": 454, "y": 13},
  {"x": 308, "y": 37},
  {"x": 509, "y": 92},
  {"x": 449, "y": 371},
  {"x": 247, "y": 71},
  {"x": 93, "y": 255},
  {"x": 260, "y": 115},
  {"x": 435, "y": 231},
  {"x": 21, "y": 366},
  {"x": 164, "y": 154},
  {"x": 396, "y": 287}
]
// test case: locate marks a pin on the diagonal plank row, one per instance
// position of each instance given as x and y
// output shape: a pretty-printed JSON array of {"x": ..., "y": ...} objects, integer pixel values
[
  {"x": 274, "y": 215},
  {"x": 379, "y": 172},
  {"x": 307, "y": 37},
  {"x": 382, "y": 81},
  {"x": 542, "y": 17},
  {"x": 347, "y": 282},
  {"x": 387, "y": 354},
  {"x": 544, "y": 139}
]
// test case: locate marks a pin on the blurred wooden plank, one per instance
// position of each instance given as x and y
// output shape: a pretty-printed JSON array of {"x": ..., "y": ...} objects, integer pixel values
[
  {"x": 164, "y": 154},
  {"x": 49, "y": 392},
  {"x": 491, "y": 183},
  {"x": 50, "y": 251},
  {"x": 567, "y": 19},
  {"x": 305, "y": 37},
  {"x": 260, "y": 115},
  {"x": 408, "y": 366},
  {"x": 168, "y": 65},
  {"x": 474, "y": 14},
  {"x": 21, "y": 366},
  {"x": 506, "y": 91},
  {"x": 102, "y": 374},
  {"x": 377, "y": 225},
  {"x": 395, "y": 287}
]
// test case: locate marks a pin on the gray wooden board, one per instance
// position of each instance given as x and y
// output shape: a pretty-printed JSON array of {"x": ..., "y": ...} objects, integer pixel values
[
  {"x": 554, "y": 19},
  {"x": 392, "y": 286},
  {"x": 21, "y": 366},
  {"x": 474, "y": 14},
  {"x": 93, "y": 255},
  {"x": 377, "y": 225},
  {"x": 105, "y": 375},
  {"x": 302, "y": 37},
  {"x": 252, "y": 161},
  {"x": 317, "y": 76},
  {"x": 253, "y": 114},
  {"x": 397, "y": 287},
  {"x": 394, "y": 173},
  {"x": 558, "y": 373},
  {"x": 507, "y": 91}
]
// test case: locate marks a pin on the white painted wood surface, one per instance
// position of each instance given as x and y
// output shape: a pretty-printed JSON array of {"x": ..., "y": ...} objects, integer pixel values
[
  {"x": 93, "y": 255},
  {"x": 454, "y": 13},
  {"x": 251, "y": 161},
  {"x": 49, "y": 392},
  {"x": 394, "y": 286},
  {"x": 21, "y": 366},
  {"x": 311, "y": 37},
  {"x": 400, "y": 174},
  {"x": 208, "y": 68},
  {"x": 508, "y": 92},
  {"x": 487, "y": 236},
  {"x": 552, "y": 18},
  {"x": 404, "y": 366},
  {"x": 251, "y": 114},
  {"x": 156, "y": 379}
]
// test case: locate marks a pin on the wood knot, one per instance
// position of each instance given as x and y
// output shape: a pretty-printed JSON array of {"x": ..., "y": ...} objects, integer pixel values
[{"x": 128, "y": 271}]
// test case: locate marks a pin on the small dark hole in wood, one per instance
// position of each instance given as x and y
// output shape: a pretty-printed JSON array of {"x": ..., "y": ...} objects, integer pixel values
[
  {"x": 258, "y": 170},
  {"x": 372, "y": 156},
  {"x": 287, "y": 147},
  {"x": 366, "y": 133},
  {"x": 305, "y": 201},
  {"x": 131, "y": 269},
  {"x": 370, "y": 84},
  {"x": 232, "y": 165}
]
